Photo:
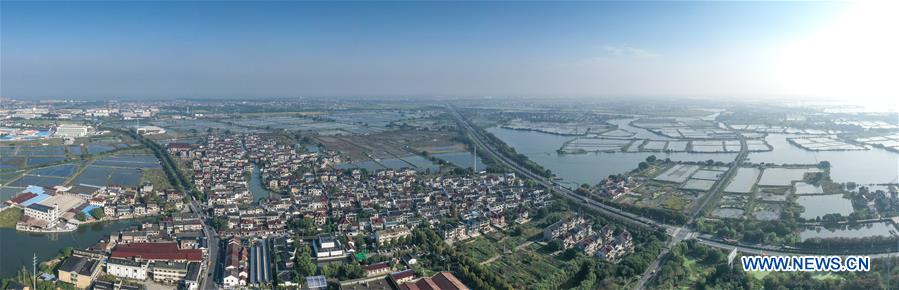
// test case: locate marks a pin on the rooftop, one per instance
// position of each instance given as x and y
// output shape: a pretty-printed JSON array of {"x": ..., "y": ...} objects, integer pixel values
[
  {"x": 156, "y": 251},
  {"x": 125, "y": 262},
  {"x": 316, "y": 282},
  {"x": 440, "y": 281},
  {"x": 40, "y": 207},
  {"x": 79, "y": 265}
]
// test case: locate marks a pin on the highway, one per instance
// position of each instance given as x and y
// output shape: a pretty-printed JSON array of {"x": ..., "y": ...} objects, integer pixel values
[
  {"x": 552, "y": 186},
  {"x": 676, "y": 233},
  {"x": 718, "y": 188},
  {"x": 778, "y": 251},
  {"x": 677, "y": 237}
]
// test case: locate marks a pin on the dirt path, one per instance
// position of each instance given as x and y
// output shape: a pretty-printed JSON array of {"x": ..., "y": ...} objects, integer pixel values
[
  {"x": 525, "y": 244},
  {"x": 488, "y": 261},
  {"x": 517, "y": 248}
]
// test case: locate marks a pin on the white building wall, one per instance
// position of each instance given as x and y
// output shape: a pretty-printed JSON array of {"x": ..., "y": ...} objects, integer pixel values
[{"x": 127, "y": 271}]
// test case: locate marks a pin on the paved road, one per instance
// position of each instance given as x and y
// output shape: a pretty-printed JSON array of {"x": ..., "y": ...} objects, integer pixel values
[
  {"x": 775, "y": 251},
  {"x": 718, "y": 188},
  {"x": 677, "y": 233},
  {"x": 680, "y": 235},
  {"x": 552, "y": 186},
  {"x": 208, "y": 280}
]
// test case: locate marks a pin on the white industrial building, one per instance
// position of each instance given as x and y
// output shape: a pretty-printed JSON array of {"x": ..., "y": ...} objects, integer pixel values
[
  {"x": 124, "y": 268},
  {"x": 42, "y": 212},
  {"x": 150, "y": 130},
  {"x": 327, "y": 247},
  {"x": 69, "y": 130}
]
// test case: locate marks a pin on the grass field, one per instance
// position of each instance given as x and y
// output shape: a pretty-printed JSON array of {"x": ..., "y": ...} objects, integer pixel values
[
  {"x": 515, "y": 255},
  {"x": 675, "y": 203},
  {"x": 9, "y": 217},
  {"x": 653, "y": 170},
  {"x": 156, "y": 177},
  {"x": 480, "y": 249},
  {"x": 526, "y": 266}
]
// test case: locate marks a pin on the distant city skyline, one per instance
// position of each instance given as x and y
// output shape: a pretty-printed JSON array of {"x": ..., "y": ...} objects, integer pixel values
[{"x": 457, "y": 49}]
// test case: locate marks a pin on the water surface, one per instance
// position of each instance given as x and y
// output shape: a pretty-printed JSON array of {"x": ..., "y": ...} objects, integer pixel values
[
  {"x": 16, "y": 248},
  {"x": 865, "y": 230},
  {"x": 863, "y": 167},
  {"x": 820, "y": 205},
  {"x": 589, "y": 168},
  {"x": 257, "y": 190}
]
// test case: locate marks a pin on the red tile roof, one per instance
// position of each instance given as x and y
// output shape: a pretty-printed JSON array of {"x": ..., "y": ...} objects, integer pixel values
[
  {"x": 377, "y": 267},
  {"x": 156, "y": 251},
  {"x": 22, "y": 198},
  {"x": 440, "y": 281},
  {"x": 178, "y": 145},
  {"x": 446, "y": 280},
  {"x": 403, "y": 274}
]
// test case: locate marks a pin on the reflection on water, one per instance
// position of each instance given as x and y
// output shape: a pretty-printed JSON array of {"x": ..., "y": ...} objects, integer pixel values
[
  {"x": 820, "y": 205},
  {"x": 589, "y": 168},
  {"x": 256, "y": 189},
  {"x": 624, "y": 124},
  {"x": 862, "y": 167},
  {"x": 16, "y": 248},
  {"x": 865, "y": 230}
]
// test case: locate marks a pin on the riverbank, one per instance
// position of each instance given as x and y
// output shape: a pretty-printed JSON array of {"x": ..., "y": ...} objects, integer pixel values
[
  {"x": 10, "y": 216},
  {"x": 18, "y": 247},
  {"x": 544, "y": 131},
  {"x": 66, "y": 228},
  {"x": 74, "y": 227}
]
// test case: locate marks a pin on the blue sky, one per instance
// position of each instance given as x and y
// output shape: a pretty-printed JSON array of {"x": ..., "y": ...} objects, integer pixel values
[{"x": 286, "y": 49}]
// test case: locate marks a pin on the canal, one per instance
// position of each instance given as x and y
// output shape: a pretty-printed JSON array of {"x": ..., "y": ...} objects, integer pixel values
[
  {"x": 17, "y": 248},
  {"x": 257, "y": 190}
]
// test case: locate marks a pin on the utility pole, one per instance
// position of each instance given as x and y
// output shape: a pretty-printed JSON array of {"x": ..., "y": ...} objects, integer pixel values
[
  {"x": 577, "y": 136},
  {"x": 474, "y": 159},
  {"x": 34, "y": 271}
]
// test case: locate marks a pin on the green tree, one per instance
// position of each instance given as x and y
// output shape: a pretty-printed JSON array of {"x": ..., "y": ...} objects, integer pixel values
[
  {"x": 643, "y": 165},
  {"x": 554, "y": 245},
  {"x": 304, "y": 264},
  {"x": 219, "y": 223}
]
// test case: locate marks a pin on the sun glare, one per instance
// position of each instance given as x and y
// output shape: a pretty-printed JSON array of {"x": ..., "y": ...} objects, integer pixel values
[{"x": 853, "y": 58}]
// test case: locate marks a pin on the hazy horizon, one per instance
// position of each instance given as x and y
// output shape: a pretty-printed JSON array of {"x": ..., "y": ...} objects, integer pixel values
[{"x": 234, "y": 50}]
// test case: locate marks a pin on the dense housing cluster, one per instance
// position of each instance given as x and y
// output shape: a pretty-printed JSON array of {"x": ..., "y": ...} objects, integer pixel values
[{"x": 577, "y": 232}]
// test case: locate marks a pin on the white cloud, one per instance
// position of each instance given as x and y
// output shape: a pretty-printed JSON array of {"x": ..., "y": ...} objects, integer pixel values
[
  {"x": 627, "y": 52},
  {"x": 617, "y": 54}
]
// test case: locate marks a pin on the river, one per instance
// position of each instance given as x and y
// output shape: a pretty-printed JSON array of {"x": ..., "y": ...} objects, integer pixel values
[
  {"x": 256, "y": 189},
  {"x": 17, "y": 248}
]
